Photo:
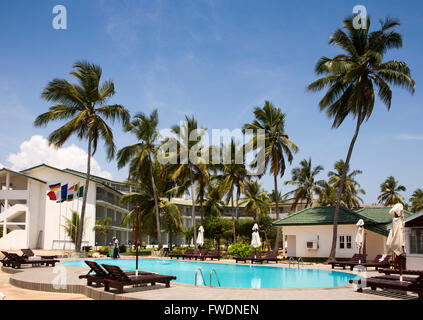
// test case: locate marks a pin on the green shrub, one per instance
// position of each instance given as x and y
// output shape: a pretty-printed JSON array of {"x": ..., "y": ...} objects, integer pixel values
[
  {"x": 240, "y": 249},
  {"x": 103, "y": 248}
]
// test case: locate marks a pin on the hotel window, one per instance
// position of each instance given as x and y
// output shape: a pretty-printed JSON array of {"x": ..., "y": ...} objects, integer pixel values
[
  {"x": 345, "y": 242},
  {"x": 416, "y": 240}
]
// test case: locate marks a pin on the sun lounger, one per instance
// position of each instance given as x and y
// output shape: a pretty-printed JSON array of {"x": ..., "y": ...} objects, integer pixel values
[
  {"x": 355, "y": 260},
  {"x": 6, "y": 260},
  {"x": 29, "y": 253},
  {"x": 17, "y": 261},
  {"x": 213, "y": 255},
  {"x": 252, "y": 257},
  {"x": 187, "y": 253},
  {"x": 97, "y": 274},
  {"x": 377, "y": 263},
  {"x": 410, "y": 284},
  {"x": 201, "y": 255},
  {"x": 269, "y": 257},
  {"x": 119, "y": 279}
]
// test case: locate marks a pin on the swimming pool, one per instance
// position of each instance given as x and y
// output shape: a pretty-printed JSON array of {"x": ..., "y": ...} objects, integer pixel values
[{"x": 233, "y": 275}]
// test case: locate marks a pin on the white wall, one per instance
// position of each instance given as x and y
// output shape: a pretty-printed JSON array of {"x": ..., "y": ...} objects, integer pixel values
[
  {"x": 324, "y": 233},
  {"x": 51, "y": 214}
]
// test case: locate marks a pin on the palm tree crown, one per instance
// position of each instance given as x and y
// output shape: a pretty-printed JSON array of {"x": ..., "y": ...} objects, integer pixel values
[
  {"x": 304, "y": 178},
  {"x": 84, "y": 104},
  {"x": 417, "y": 201},
  {"x": 390, "y": 192}
]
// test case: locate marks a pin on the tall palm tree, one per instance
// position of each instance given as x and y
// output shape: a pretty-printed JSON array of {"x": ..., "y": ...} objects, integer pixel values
[
  {"x": 277, "y": 145},
  {"x": 304, "y": 178},
  {"x": 233, "y": 176},
  {"x": 350, "y": 196},
  {"x": 140, "y": 155},
  {"x": 390, "y": 192},
  {"x": 273, "y": 197},
  {"x": 255, "y": 200},
  {"x": 417, "y": 201},
  {"x": 351, "y": 78},
  {"x": 214, "y": 205},
  {"x": 327, "y": 195},
  {"x": 85, "y": 105},
  {"x": 190, "y": 158}
]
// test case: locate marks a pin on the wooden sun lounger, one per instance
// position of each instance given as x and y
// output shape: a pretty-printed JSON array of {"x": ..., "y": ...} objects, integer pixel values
[
  {"x": 213, "y": 255},
  {"x": 385, "y": 263},
  {"x": 97, "y": 274},
  {"x": 201, "y": 255},
  {"x": 414, "y": 284},
  {"x": 17, "y": 261},
  {"x": 350, "y": 263},
  {"x": 119, "y": 279},
  {"x": 188, "y": 253},
  {"x": 253, "y": 256},
  {"x": 29, "y": 253},
  {"x": 269, "y": 257},
  {"x": 6, "y": 260}
]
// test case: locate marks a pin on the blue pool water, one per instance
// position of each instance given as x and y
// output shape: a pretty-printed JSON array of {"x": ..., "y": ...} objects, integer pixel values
[{"x": 234, "y": 275}]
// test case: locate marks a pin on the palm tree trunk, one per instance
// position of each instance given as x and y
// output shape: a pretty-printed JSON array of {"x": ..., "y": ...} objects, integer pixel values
[
  {"x": 156, "y": 206},
  {"x": 233, "y": 216},
  {"x": 84, "y": 199},
  {"x": 276, "y": 247},
  {"x": 238, "y": 195},
  {"x": 194, "y": 225},
  {"x": 341, "y": 189},
  {"x": 202, "y": 209}
]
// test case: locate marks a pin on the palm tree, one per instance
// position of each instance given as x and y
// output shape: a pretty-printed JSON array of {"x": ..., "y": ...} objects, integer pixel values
[
  {"x": 273, "y": 197},
  {"x": 140, "y": 155},
  {"x": 233, "y": 175},
  {"x": 72, "y": 226},
  {"x": 189, "y": 153},
  {"x": 350, "y": 196},
  {"x": 351, "y": 78},
  {"x": 304, "y": 178},
  {"x": 390, "y": 192},
  {"x": 277, "y": 145},
  {"x": 134, "y": 218},
  {"x": 327, "y": 195},
  {"x": 103, "y": 227},
  {"x": 417, "y": 201},
  {"x": 85, "y": 105},
  {"x": 214, "y": 205},
  {"x": 255, "y": 200}
]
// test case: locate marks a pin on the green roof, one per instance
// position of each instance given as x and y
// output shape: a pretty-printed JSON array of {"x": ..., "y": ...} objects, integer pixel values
[
  {"x": 324, "y": 216},
  {"x": 22, "y": 174},
  {"x": 380, "y": 214}
]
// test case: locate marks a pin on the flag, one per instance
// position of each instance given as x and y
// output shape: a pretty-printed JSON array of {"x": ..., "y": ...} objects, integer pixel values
[
  {"x": 54, "y": 193},
  {"x": 73, "y": 192},
  {"x": 63, "y": 193},
  {"x": 81, "y": 192}
]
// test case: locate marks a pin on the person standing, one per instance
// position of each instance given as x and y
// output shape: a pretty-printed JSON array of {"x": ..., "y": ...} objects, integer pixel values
[{"x": 116, "y": 248}]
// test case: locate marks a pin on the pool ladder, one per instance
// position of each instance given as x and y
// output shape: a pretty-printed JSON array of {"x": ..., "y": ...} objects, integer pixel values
[
  {"x": 202, "y": 276},
  {"x": 299, "y": 262}
]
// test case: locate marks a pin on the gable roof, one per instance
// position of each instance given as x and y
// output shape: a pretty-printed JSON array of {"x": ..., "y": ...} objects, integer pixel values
[
  {"x": 324, "y": 216},
  {"x": 21, "y": 174},
  {"x": 380, "y": 214},
  {"x": 73, "y": 174}
]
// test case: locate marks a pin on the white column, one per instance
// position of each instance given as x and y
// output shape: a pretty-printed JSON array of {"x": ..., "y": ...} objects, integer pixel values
[
  {"x": 6, "y": 204},
  {"x": 28, "y": 215}
]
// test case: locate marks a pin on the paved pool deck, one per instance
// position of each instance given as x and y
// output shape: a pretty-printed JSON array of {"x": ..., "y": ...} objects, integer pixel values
[{"x": 62, "y": 282}]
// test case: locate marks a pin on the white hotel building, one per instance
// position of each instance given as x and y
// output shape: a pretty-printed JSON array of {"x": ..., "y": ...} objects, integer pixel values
[{"x": 29, "y": 219}]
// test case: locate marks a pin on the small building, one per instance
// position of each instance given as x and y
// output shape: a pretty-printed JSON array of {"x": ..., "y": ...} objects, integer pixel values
[
  {"x": 308, "y": 233},
  {"x": 414, "y": 241}
]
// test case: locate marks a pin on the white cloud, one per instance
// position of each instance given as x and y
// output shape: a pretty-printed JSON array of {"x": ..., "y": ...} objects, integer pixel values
[
  {"x": 36, "y": 151},
  {"x": 1, "y": 166},
  {"x": 410, "y": 137}
]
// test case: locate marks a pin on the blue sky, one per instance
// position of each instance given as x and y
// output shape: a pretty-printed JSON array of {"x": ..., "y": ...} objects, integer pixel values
[{"x": 216, "y": 60}]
